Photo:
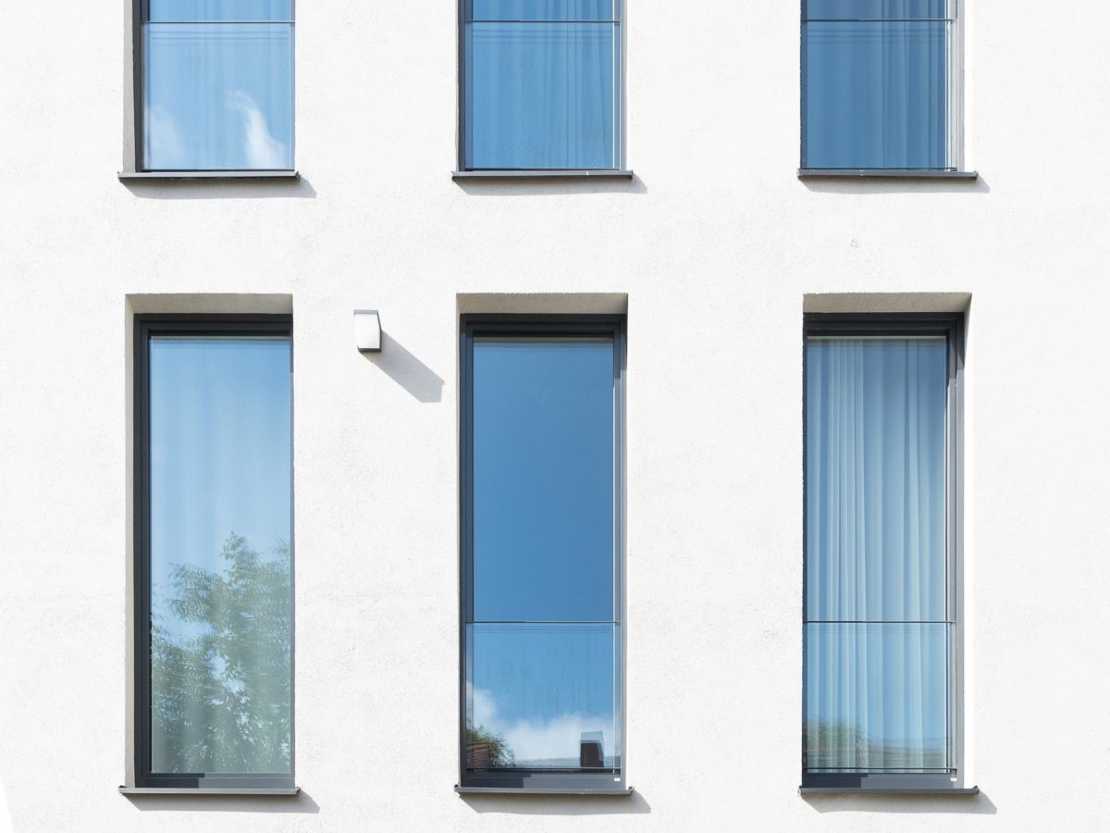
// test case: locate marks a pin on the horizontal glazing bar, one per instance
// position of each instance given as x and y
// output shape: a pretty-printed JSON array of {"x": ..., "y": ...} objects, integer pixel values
[
  {"x": 879, "y": 621},
  {"x": 543, "y": 622},
  {"x": 880, "y": 20},
  {"x": 221, "y": 22},
  {"x": 487, "y": 20}
]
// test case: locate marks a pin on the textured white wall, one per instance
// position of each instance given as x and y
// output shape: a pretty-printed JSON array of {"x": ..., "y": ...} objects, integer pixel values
[{"x": 716, "y": 242}]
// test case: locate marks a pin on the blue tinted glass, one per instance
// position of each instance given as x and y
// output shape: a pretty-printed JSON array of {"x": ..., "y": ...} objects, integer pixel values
[
  {"x": 197, "y": 11},
  {"x": 876, "y": 697},
  {"x": 219, "y": 96},
  {"x": 220, "y": 571},
  {"x": 543, "y": 478},
  {"x": 541, "y": 95},
  {"x": 875, "y": 479},
  {"x": 875, "y": 9},
  {"x": 542, "y": 696},
  {"x": 542, "y": 10},
  {"x": 876, "y": 95}
]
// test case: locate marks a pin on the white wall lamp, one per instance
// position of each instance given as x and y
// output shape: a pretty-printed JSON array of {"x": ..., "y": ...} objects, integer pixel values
[{"x": 368, "y": 331}]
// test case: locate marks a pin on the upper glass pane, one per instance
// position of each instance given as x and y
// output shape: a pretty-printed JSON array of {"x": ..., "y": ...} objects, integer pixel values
[
  {"x": 543, "y": 480},
  {"x": 542, "y": 697},
  {"x": 200, "y": 11},
  {"x": 220, "y": 569},
  {"x": 218, "y": 97},
  {"x": 875, "y": 479},
  {"x": 513, "y": 10},
  {"x": 541, "y": 96},
  {"x": 875, "y": 9},
  {"x": 876, "y": 95}
]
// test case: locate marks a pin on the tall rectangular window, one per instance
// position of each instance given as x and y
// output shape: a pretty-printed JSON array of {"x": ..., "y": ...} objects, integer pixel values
[
  {"x": 213, "y": 568},
  {"x": 881, "y": 571},
  {"x": 542, "y": 537},
  {"x": 217, "y": 85},
  {"x": 541, "y": 84},
  {"x": 880, "y": 84}
]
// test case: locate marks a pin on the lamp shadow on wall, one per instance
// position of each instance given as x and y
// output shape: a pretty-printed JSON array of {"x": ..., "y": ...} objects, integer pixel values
[
  {"x": 302, "y": 802},
  {"x": 896, "y": 185},
  {"x": 542, "y": 805},
  {"x": 221, "y": 189},
  {"x": 977, "y": 805},
  {"x": 543, "y": 186},
  {"x": 423, "y": 383}
]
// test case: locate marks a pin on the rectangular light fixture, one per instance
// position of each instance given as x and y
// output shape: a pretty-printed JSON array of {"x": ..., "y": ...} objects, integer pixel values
[{"x": 368, "y": 331}]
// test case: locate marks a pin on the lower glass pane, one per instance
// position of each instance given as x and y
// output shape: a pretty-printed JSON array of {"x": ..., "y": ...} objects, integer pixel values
[
  {"x": 220, "y": 562},
  {"x": 218, "y": 96},
  {"x": 876, "y": 697},
  {"x": 541, "y": 95},
  {"x": 542, "y": 696},
  {"x": 876, "y": 95}
]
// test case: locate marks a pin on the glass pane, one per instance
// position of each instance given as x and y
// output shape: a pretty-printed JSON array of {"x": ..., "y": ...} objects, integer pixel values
[
  {"x": 541, "y": 95},
  {"x": 219, "y": 96},
  {"x": 199, "y": 11},
  {"x": 543, "y": 480},
  {"x": 875, "y": 9},
  {"x": 542, "y": 10},
  {"x": 876, "y": 95},
  {"x": 542, "y": 697},
  {"x": 876, "y": 697},
  {"x": 220, "y": 531},
  {"x": 875, "y": 479}
]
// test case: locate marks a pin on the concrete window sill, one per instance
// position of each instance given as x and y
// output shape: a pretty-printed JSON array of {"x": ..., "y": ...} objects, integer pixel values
[
  {"x": 538, "y": 174},
  {"x": 168, "y": 176},
  {"x": 509, "y": 791},
  {"x": 883, "y": 173},
  {"x": 277, "y": 792},
  {"x": 941, "y": 792}
]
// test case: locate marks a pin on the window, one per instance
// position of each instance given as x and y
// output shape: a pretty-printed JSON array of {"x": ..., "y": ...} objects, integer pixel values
[
  {"x": 542, "y": 541},
  {"x": 541, "y": 84},
  {"x": 216, "y": 85},
  {"x": 213, "y": 566},
  {"x": 881, "y": 621},
  {"x": 880, "y": 84}
]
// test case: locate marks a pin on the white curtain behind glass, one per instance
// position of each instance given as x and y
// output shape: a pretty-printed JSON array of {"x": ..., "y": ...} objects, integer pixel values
[{"x": 876, "y": 632}]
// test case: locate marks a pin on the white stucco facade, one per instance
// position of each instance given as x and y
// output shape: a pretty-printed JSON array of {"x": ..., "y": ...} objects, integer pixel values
[{"x": 713, "y": 249}]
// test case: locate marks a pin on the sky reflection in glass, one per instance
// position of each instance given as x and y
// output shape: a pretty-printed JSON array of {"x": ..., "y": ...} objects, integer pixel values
[
  {"x": 218, "y": 91},
  {"x": 542, "y": 648}
]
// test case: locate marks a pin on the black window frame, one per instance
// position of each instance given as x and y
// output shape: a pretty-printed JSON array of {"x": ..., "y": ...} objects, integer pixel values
[
  {"x": 473, "y": 326},
  {"x": 134, "y": 165},
  {"x": 145, "y": 327},
  {"x": 950, "y": 326}
]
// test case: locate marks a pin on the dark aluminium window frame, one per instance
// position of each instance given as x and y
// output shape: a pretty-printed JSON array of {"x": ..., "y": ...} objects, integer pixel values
[
  {"x": 619, "y": 172},
  {"x": 136, "y": 14},
  {"x": 952, "y": 328},
  {"x": 472, "y": 326},
  {"x": 145, "y": 327},
  {"x": 954, "y": 105}
]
